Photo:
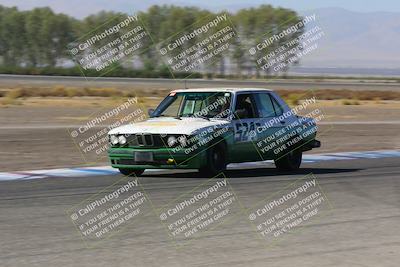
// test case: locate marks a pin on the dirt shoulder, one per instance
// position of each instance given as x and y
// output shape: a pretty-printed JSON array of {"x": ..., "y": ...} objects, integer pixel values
[
  {"x": 35, "y": 134},
  {"x": 71, "y": 111}
]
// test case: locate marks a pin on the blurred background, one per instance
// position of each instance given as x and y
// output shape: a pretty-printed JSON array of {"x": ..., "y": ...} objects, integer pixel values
[
  {"x": 354, "y": 70},
  {"x": 361, "y": 38},
  {"x": 351, "y": 65}
]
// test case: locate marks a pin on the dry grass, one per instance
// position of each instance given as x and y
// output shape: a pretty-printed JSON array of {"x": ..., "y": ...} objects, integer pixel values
[
  {"x": 331, "y": 94},
  {"x": 10, "y": 96},
  {"x": 7, "y": 101},
  {"x": 61, "y": 91},
  {"x": 350, "y": 102}
]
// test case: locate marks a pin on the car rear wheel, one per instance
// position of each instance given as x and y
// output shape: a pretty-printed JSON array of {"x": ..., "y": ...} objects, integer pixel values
[
  {"x": 131, "y": 172},
  {"x": 290, "y": 161},
  {"x": 216, "y": 161}
]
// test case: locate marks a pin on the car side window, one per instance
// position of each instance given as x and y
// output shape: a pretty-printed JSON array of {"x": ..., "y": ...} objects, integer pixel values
[
  {"x": 264, "y": 105},
  {"x": 245, "y": 107},
  {"x": 277, "y": 106}
]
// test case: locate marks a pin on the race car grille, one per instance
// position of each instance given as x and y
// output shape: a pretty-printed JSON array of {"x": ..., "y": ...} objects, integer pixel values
[{"x": 145, "y": 140}]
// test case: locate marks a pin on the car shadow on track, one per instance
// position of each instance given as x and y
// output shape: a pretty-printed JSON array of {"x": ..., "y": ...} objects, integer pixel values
[{"x": 259, "y": 172}]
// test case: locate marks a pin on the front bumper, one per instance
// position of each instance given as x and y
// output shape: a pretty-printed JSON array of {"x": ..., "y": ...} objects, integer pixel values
[{"x": 163, "y": 158}]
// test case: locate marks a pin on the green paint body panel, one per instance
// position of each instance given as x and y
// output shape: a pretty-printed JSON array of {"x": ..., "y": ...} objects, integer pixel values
[
  {"x": 160, "y": 155},
  {"x": 236, "y": 153},
  {"x": 241, "y": 146}
]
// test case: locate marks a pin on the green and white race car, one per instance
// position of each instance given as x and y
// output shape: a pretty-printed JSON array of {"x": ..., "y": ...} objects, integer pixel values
[{"x": 206, "y": 129}]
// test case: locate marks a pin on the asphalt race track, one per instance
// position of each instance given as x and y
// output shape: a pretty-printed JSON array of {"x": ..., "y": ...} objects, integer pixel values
[{"x": 361, "y": 228}]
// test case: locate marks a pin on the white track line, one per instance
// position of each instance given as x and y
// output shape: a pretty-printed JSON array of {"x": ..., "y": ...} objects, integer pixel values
[{"x": 107, "y": 170}]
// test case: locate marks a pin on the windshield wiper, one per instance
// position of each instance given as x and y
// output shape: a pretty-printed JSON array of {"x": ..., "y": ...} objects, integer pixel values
[
  {"x": 200, "y": 116},
  {"x": 162, "y": 115}
]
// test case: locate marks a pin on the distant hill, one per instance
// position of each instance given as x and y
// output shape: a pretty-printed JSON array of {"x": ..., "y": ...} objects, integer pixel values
[{"x": 356, "y": 40}]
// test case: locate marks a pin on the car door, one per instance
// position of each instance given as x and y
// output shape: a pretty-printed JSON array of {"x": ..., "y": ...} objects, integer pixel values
[
  {"x": 271, "y": 125},
  {"x": 245, "y": 123}
]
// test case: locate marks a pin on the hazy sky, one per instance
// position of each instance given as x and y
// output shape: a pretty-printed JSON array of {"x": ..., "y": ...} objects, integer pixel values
[{"x": 81, "y": 8}]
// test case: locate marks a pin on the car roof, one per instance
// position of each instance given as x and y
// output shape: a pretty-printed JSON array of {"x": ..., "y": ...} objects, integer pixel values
[{"x": 221, "y": 89}]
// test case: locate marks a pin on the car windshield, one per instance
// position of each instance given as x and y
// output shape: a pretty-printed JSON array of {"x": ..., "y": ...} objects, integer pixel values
[{"x": 195, "y": 104}]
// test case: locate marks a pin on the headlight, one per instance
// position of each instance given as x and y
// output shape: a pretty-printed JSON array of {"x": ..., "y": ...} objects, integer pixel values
[
  {"x": 122, "y": 140},
  {"x": 113, "y": 139},
  {"x": 171, "y": 141}
]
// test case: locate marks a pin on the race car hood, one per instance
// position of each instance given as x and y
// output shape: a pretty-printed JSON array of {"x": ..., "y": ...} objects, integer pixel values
[{"x": 168, "y": 126}]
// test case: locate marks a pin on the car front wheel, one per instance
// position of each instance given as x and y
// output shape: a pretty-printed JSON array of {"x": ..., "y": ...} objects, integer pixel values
[
  {"x": 131, "y": 172},
  {"x": 289, "y": 162},
  {"x": 216, "y": 161}
]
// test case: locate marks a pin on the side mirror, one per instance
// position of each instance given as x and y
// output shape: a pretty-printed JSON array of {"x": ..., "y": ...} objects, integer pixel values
[
  {"x": 240, "y": 114},
  {"x": 150, "y": 111}
]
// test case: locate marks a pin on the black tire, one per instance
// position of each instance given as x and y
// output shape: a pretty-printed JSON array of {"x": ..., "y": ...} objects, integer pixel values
[
  {"x": 289, "y": 162},
  {"x": 216, "y": 161},
  {"x": 131, "y": 172}
]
